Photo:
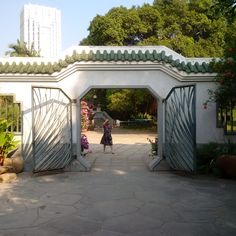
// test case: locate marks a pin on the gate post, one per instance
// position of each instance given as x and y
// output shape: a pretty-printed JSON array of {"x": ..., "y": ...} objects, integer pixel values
[
  {"x": 80, "y": 163},
  {"x": 160, "y": 129},
  {"x": 78, "y": 129},
  {"x": 83, "y": 164}
]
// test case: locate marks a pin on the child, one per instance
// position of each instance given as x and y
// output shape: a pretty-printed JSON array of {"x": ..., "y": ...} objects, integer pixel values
[
  {"x": 107, "y": 138},
  {"x": 84, "y": 144}
]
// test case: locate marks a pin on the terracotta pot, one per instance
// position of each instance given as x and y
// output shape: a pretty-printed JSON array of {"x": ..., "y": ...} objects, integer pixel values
[
  {"x": 227, "y": 164},
  {"x": 15, "y": 163}
]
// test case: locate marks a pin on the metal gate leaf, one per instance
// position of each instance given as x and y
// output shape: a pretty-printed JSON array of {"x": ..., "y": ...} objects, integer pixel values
[
  {"x": 52, "y": 129},
  {"x": 180, "y": 128}
]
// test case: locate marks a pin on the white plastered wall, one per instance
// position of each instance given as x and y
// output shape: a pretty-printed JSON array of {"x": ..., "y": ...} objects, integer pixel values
[{"x": 77, "y": 84}]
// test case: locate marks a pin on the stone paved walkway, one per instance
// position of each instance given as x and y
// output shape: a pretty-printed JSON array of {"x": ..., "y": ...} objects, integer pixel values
[
  {"x": 119, "y": 197},
  {"x": 130, "y": 147}
]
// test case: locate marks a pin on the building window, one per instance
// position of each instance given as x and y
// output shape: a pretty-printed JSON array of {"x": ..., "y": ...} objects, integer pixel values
[
  {"x": 226, "y": 118},
  {"x": 11, "y": 111}
]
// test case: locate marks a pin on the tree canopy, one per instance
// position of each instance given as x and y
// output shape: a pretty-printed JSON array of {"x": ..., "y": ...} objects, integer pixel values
[
  {"x": 193, "y": 28},
  {"x": 123, "y": 104},
  {"x": 227, "y": 7}
]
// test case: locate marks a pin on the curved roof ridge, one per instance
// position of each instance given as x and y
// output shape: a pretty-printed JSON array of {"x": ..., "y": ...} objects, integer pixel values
[
  {"x": 108, "y": 49},
  {"x": 129, "y": 49},
  {"x": 101, "y": 54}
]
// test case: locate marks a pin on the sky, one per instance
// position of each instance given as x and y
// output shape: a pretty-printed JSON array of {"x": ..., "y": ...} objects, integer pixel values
[{"x": 76, "y": 16}]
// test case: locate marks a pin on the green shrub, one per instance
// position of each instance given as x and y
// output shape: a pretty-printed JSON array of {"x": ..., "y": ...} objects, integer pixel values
[
  {"x": 207, "y": 155},
  {"x": 7, "y": 140}
]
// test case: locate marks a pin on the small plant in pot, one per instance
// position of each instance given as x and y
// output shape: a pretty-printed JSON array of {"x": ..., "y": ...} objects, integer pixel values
[
  {"x": 7, "y": 140},
  {"x": 154, "y": 145},
  {"x": 227, "y": 161}
]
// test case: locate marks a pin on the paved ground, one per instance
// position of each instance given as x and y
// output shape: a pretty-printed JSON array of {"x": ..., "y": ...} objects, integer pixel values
[{"x": 119, "y": 197}]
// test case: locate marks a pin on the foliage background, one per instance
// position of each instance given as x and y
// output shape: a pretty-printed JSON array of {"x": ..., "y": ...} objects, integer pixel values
[{"x": 193, "y": 28}]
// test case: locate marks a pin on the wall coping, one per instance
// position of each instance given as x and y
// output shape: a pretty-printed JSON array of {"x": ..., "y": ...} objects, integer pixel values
[{"x": 104, "y": 54}]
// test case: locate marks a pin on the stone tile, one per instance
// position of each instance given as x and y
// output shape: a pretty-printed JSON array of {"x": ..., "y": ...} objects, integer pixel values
[
  {"x": 159, "y": 211},
  {"x": 30, "y": 232},
  {"x": 18, "y": 219},
  {"x": 60, "y": 198},
  {"x": 73, "y": 225},
  {"x": 116, "y": 207},
  {"x": 106, "y": 233},
  {"x": 187, "y": 229},
  {"x": 226, "y": 228},
  {"x": 47, "y": 213},
  {"x": 108, "y": 192},
  {"x": 131, "y": 224}
]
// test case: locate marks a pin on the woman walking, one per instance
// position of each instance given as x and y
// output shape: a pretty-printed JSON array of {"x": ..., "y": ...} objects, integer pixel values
[{"x": 107, "y": 138}]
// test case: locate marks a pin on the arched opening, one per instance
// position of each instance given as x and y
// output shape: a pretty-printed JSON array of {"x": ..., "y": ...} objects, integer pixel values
[{"x": 136, "y": 126}]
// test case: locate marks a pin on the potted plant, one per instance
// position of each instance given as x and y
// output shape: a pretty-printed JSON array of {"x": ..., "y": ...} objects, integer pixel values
[
  {"x": 227, "y": 160},
  {"x": 7, "y": 141},
  {"x": 153, "y": 146}
]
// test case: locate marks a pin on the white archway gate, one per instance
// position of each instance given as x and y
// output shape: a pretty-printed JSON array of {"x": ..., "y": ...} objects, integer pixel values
[{"x": 81, "y": 68}]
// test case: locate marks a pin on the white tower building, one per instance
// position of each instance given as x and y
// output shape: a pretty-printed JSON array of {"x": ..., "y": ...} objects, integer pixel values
[{"x": 42, "y": 26}]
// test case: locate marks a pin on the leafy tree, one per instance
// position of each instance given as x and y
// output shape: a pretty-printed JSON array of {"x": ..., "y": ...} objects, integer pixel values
[
  {"x": 120, "y": 102},
  {"x": 227, "y": 7},
  {"x": 123, "y": 103},
  {"x": 127, "y": 103},
  {"x": 120, "y": 26},
  {"x": 231, "y": 35},
  {"x": 20, "y": 50},
  {"x": 192, "y": 30},
  {"x": 225, "y": 94},
  {"x": 189, "y": 27}
]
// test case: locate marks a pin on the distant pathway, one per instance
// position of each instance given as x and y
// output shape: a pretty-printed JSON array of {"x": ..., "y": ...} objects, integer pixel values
[{"x": 130, "y": 147}]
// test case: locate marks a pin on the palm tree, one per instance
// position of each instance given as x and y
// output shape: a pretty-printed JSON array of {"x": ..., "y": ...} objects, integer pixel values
[{"x": 20, "y": 50}]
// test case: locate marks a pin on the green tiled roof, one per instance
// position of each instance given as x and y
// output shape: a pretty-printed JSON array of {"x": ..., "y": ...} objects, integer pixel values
[{"x": 104, "y": 56}]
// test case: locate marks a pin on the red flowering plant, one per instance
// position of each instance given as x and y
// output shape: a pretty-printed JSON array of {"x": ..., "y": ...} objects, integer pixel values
[
  {"x": 85, "y": 114},
  {"x": 225, "y": 93}
]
